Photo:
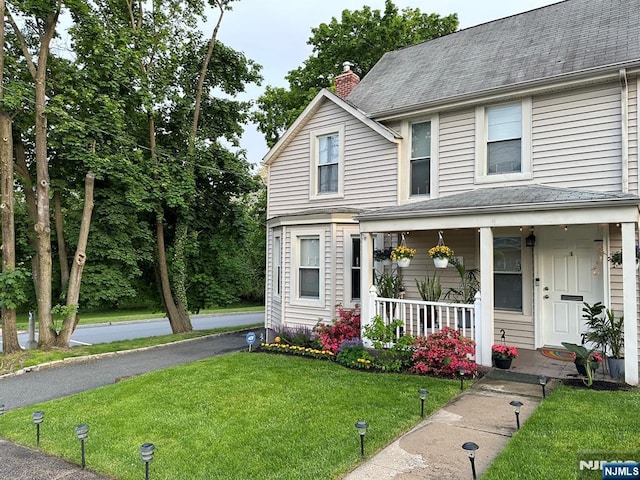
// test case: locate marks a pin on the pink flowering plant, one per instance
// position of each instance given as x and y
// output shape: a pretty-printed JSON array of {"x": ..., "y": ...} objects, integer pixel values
[
  {"x": 345, "y": 327},
  {"x": 504, "y": 352},
  {"x": 443, "y": 354}
]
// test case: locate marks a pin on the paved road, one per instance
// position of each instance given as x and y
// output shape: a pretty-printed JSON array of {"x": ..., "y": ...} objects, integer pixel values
[
  {"x": 110, "y": 332},
  {"x": 46, "y": 384}
]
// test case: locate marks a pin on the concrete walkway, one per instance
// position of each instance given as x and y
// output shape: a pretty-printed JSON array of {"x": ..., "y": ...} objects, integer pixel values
[{"x": 433, "y": 449}]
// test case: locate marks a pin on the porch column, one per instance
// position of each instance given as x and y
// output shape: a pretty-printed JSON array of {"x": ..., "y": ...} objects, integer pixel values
[
  {"x": 630, "y": 302},
  {"x": 484, "y": 332},
  {"x": 366, "y": 280}
]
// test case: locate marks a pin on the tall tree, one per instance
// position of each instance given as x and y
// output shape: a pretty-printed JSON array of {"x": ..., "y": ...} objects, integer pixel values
[{"x": 361, "y": 37}]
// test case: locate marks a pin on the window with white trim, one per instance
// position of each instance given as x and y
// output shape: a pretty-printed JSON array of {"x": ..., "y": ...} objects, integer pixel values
[
  {"x": 504, "y": 139},
  {"x": 420, "y": 161},
  {"x": 309, "y": 267},
  {"x": 277, "y": 266},
  {"x": 507, "y": 273},
  {"x": 503, "y": 142},
  {"x": 327, "y": 162}
]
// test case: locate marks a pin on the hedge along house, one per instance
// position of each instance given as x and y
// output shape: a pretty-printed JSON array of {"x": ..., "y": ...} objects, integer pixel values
[{"x": 517, "y": 138}]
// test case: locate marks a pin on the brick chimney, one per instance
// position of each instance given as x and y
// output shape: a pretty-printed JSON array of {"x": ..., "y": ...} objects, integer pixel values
[{"x": 346, "y": 81}]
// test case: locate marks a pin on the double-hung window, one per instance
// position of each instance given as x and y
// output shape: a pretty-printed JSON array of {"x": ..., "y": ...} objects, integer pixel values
[
  {"x": 420, "y": 161},
  {"x": 277, "y": 266},
  {"x": 309, "y": 267},
  {"x": 503, "y": 142},
  {"x": 328, "y": 162},
  {"x": 507, "y": 273},
  {"x": 504, "y": 139}
]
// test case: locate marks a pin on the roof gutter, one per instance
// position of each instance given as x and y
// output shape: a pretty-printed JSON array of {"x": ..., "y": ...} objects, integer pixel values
[
  {"x": 624, "y": 128},
  {"x": 609, "y": 72}
]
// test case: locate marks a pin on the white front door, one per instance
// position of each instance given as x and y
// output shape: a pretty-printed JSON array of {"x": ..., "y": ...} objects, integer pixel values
[{"x": 571, "y": 274}]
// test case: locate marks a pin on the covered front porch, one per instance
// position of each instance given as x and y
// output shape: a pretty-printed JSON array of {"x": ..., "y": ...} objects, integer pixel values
[{"x": 536, "y": 296}]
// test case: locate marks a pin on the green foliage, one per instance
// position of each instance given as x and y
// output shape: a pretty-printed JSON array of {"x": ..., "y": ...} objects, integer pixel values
[
  {"x": 393, "y": 351},
  {"x": 389, "y": 285},
  {"x": 352, "y": 354},
  {"x": 62, "y": 313},
  {"x": 468, "y": 285},
  {"x": 430, "y": 289},
  {"x": 359, "y": 36},
  {"x": 605, "y": 331},
  {"x": 381, "y": 334},
  {"x": 13, "y": 286}
]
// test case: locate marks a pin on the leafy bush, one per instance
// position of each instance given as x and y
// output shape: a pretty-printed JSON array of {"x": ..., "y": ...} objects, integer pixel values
[
  {"x": 398, "y": 355},
  {"x": 443, "y": 354},
  {"x": 301, "y": 336},
  {"x": 352, "y": 354},
  {"x": 345, "y": 327}
]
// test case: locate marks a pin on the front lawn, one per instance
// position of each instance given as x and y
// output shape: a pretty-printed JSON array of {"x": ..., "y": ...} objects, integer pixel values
[
  {"x": 567, "y": 422},
  {"x": 244, "y": 415}
]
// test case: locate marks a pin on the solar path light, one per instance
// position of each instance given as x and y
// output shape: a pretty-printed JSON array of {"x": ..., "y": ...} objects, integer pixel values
[
  {"x": 471, "y": 448},
  {"x": 146, "y": 455},
  {"x": 82, "y": 432},
  {"x": 542, "y": 380},
  {"x": 362, "y": 430},
  {"x": 38, "y": 418},
  {"x": 516, "y": 404},
  {"x": 423, "y": 392}
]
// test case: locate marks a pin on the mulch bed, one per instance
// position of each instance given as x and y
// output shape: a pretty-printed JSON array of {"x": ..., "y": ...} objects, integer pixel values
[{"x": 598, "y": 385}]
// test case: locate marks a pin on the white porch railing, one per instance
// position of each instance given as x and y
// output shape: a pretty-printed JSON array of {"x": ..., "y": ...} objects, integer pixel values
[{"x": 424, "y": 318}]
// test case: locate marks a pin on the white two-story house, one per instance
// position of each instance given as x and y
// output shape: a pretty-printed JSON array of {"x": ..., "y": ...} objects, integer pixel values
[{"x": 517, "y": 139}]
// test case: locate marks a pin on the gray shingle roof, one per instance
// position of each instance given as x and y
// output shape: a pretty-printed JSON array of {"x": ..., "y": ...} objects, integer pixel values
[
  {"x": 516, "y": 198},
  {"x": 561, "y": 39}
]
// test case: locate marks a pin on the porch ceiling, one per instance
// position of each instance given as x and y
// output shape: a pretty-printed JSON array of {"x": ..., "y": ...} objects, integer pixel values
[{"x": 514, "y": 205}]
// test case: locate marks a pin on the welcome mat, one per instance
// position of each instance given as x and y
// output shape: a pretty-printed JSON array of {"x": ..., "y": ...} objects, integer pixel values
[{"x": 563, "y": 355}]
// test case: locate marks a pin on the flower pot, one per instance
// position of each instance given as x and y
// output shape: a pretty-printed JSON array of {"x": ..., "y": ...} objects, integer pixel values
[
  {"x": 386, "y": 262},
  {"x": 504, "y": 363},
  {"x": 582, "y": 367},
  {"x": 616, "y": 367},
  {"x": 440, "y": 262},
  {"x": 404, "y": 262}
]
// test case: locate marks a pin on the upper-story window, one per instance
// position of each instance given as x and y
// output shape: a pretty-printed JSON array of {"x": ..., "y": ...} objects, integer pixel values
[
  {"x": 420, "y": 161},
  {"x": 504, "y": 139},
  {"x": 327, "y": 162},
  {"x": 503, "y": 142}
]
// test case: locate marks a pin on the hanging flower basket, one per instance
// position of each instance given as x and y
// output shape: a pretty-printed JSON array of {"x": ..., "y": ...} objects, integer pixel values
[
  {"x": 440, "y": 253},
  {"x": 402, "y": 254},
  {"x": 404, "y": 262}
]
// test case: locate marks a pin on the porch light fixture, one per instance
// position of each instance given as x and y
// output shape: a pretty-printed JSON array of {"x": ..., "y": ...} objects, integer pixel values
[
  {"x": 38, "y": 418},
  {"x": 362, "y": 430},
  {"x": 542, "y": 380},
  {"x": 516, "y": 404},
  {"x": 146, "y": 455},
  {"x": 423, "y": 392},
  {"x": 462, "y": 373},
  {"x": 82, "y": 432},
  {"x": 471, "y": 448},
  {"x": 530, "y": 241}
]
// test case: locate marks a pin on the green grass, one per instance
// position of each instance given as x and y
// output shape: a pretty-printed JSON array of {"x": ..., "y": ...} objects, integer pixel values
[
  {"x": 29, "y": 358},
  {"x": 243, "y": 415},
  {"x": 90, "y": 318},
  {"x": 568, "y": 421}
]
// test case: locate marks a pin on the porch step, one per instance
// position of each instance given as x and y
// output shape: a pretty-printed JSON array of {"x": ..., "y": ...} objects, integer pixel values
[{"x": 499, "y": 374}]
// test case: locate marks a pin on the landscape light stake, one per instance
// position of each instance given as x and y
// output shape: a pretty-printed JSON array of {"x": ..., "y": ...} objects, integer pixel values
[
  {"x": 146, "y": 455},
  {"x": 82, "y": 432},
  {"x": 471, "y": 448},
  {"x": 516, "y": 405},
  {"x": 462, "y": 372},
  {"x": 362, "y": 429},
  {"x": 542, "y": 380},
  {"x": 423, "y": 395},
  {"x": 38, "y": 418}
]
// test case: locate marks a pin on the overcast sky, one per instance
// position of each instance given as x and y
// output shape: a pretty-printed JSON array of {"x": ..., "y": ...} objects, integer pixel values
[{"x": 274, "y": 33}]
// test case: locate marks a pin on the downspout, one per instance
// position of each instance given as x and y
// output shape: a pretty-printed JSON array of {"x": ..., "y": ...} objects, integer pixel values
[{"x": 624, "y": 104}]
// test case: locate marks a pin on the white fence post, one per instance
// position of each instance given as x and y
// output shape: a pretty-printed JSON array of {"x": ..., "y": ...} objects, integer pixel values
[
  {"x": 370, "y": 313},
  {"x": 479, "y": 329}
]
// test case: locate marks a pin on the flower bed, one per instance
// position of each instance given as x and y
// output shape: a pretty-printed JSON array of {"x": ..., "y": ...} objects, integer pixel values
[{"x": 297, "y": 350}]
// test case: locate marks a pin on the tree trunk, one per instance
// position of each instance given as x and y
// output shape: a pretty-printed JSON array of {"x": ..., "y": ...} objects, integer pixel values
[
  {"x": 10, "y": 342},
  {"x": 73, "y": 293},
  {"x": 62, "y": 247},
  {"x": 180, "y": 270},
  {"x": 177, "y": 321}
]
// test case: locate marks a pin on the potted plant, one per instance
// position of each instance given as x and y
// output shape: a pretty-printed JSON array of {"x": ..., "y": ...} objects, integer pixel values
[
  {"x": 587, "y": 361},
  {"x": 616, "y": 258},
  {"x": 382, "y": 255},
  {"x": 467, "y": 288},
  {"x": 607, "y": 334},
  {"x": 441, "y": 254},
  {"x": 403, "y": 255},
  {"x": 430, "y": 290},
  {"x": 503, "y": 355}
]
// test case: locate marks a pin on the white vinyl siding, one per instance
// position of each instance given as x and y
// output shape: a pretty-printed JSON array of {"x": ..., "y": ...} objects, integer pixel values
[
  {"x": 370, "y": 167},
  {"x": 456, "y": 152},
  {"x": 576, "y": 139},
  {"x": 634, "y": 107}
]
